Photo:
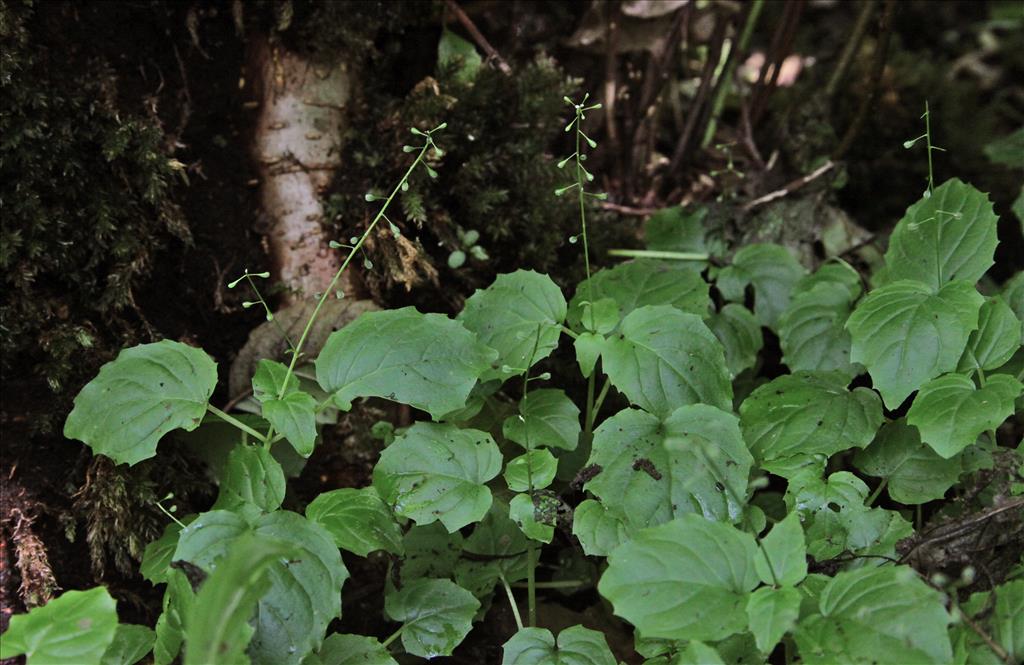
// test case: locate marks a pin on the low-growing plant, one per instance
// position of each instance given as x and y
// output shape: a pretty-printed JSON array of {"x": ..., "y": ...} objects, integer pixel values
[{"x": 729, "y": 511}]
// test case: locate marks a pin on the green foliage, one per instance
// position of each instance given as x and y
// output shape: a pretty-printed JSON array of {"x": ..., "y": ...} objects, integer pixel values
[
  {"x": 146, "y": 392},
  {"x": 438, "y": 472},
  {"x": 426, "y": 361},
  {"x": 435, "y": 616},
  {"x": 74, "y": 629},
  {"x": 359, "y": 520},
  {"x": 217, "y": 629},
  {"x": 575, "y": 646},
  {"x": 677, "y": 489}
]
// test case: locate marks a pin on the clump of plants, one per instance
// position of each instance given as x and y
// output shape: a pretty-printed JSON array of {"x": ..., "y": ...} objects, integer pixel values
[{"x": 733, "y": 516}]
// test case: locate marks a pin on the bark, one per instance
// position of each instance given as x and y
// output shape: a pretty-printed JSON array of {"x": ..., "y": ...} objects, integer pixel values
[{"x": 296, "y": 144}]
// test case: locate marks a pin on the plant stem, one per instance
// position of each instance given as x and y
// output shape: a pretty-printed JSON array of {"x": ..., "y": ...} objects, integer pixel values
[
  {"x": 557, "y": 584},
  {"x": 724, "y": 80},
  {"x": 658, "y": 254},
  {"x": 512, "y": 603},
  {"x": 531, "y": 581},
  {"x": 392, "y": 638},
  {"x": 297, "y": 350},
  {"x": 235, "y": 421},
  {"x": 878, "y": 491},
  {"x": 337, "y": 276},
  {"x": 928, "y": 138},
  {"x": 600, "y": 400}
]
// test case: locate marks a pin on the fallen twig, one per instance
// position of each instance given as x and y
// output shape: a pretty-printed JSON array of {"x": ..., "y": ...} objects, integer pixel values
[
  {"x": 791, "y": 187},
  {"x": 627, "y": 210},
  {"x": 478, "y": 36}
]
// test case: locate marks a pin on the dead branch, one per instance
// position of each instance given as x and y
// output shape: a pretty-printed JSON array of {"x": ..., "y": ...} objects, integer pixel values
[
  {"x": 478, "y": 36},
  {"x": 791, "y": 187}
]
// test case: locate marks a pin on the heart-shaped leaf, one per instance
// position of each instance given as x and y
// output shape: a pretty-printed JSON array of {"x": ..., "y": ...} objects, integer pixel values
[
  {"x": 144, "y": 393},
  {"x": 807, "y": 413},
  {"x": 438, "y": 472},
  {"x": 948, "y": 235},
  {"x": 576, "y": 646},
  {"x": 520, "y": 315},
  {"x": 684, "y": 580},
  {"x": 424, "y": 360},
  {"x": 436, "y": 615},
  {"x": 357, "y": 519},
  {"x": 664, "y": 359},
  {"x": 951, "y": 411},
  {"x": 905, "y": 335}
]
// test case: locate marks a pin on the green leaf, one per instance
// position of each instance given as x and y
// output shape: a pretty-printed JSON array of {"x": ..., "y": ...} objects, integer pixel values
[
  {"x": 772, "y": 271},
  {"x": 951, "y": 412},
  {"x": 303, "y": 595},
  {"x": 354, "y": 650},
  {"x": 535, "y": 516},
  {"x": 576, "y": 646},
  {"x": 430, "y": 551},
  {"x": 454, "y": 50},
  {"x": 883, "y": 615},
  {"x": 653, "y": 471},
  {"x": 294, "y": 416},
  {"x": 74, "y": 629},
  {"x": 599, "y": 529},
  {"x": 772, "y": 613},
  {"x": 1007, "y": 150},
  {"x": 501, "y": 552},
  {"x": 1008, "y": 620},
  {"x": 740, "y": 334},
  {"x": 999, "y": 335},
  {"x": 269, "y": 380},
  {"x": 677, "y": 230},
  {"x": 915, "y": 473},
  {"x": 836, "y": 519},
  {"x": 905, "y": 335},
  {"x": 782, "y": 557},
  {"x": 687, "y": 579},
  {"x": 949, "y": 235},
  {"x": 641, "y": 282},
  {"x": 698, "y": 653},
  {"x": 549, "y": 418},
  {"x": 665, "y": 359},
  {"x": 424, "y": 360},
  {"x": 1013, "y": 294},
  {"x": 535, "y": 469},
  {"x": 838, "y": 273},
  {"x": 436, "y": 616},
  {"x": 812, "y": 333},
  {"x": 251, "y": 476},
  {"x": 520, "y": 315},
  {"x": 131, "y": 644},
  {"x": 601, "y": 317},
  {"x": 437, "y": 472},
  {"x": 156, "y": 558},
  {"x": 218, "y": 630},
  {"x": 588, "y": 347},
  {"x": 178, "y": 602},
  {"x": 146, "y": 392},
  {"x": 777, "y": 422},
  {"x": 358, "y": 520}
]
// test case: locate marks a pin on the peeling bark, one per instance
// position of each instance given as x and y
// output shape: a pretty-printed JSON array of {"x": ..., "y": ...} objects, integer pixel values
[{"x": 297, "y": 148}]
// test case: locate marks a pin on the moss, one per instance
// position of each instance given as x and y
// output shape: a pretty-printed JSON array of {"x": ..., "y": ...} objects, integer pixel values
[
  {"x": 84, "y": 201},
  {"x": 497, "y": 176}
]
